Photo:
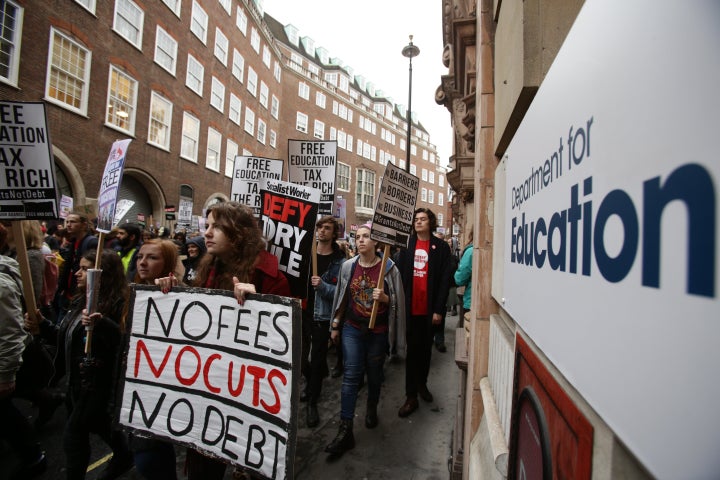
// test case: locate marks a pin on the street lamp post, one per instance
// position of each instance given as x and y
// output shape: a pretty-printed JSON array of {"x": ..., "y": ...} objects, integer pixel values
[{"x": 409, "y": 51}]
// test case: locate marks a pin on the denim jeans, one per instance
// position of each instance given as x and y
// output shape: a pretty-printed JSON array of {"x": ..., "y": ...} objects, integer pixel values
[{"x": 363, "y": 352}]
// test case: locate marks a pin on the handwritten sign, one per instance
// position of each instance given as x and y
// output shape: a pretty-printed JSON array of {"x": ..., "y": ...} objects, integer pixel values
[
  {"x": 207, "y": 373},
  {"x": 313, "y": 164},
  {"x": 27, "y": 182},
  {"x": 110, "y": 185}
]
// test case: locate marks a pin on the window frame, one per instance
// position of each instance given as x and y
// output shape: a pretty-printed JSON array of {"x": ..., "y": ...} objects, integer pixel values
[
  {"x": 161, "y": 33},
  {"x": 198, "y": 27},
  {"x": 15, "y": 43},
  {"x": 112, "y": 100},
  {"x": 85, "y": 81},
  {"x": 187, "y": 117},
  {"x": 165, "y": 122},
  {"x": 214, "y": 139},
  {"x": 138, "y": 37}
]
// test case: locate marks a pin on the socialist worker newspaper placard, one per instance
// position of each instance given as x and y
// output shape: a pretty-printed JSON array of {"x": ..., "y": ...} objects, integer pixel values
[
  {"x": 212, "y": 375},
  {"x": 247, "y": 174},
  {"x": 395, "y": 208},
  {"x": 288, "y": 218},
  {"x": 313, "y": 164},
  {"x": 27, "y": 181}
]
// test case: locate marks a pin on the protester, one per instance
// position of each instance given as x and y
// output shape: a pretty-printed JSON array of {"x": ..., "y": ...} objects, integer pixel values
[
  {"x": 195, "y": 247},
  {"x": 365, "y": 349},
  {"x": 80, "y": 239},
  {"x": 425, "y": 268},
  {"x": 129, "y": 238},
  {"x": 155, "y": 459},
  {"x": 92, "y": 378},
  {"x": 463, "y": 275},
  {"x": 236, "y": 261},
  {"x": 14, "y": 427},
  {"x": 317, "y": 312}
]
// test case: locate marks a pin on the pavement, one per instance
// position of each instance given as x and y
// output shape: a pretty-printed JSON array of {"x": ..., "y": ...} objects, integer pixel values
[{"x": 412, "y": 448}]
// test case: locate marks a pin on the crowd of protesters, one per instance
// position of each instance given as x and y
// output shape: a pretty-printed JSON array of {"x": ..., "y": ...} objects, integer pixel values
[{"x": 43, "y": 355}]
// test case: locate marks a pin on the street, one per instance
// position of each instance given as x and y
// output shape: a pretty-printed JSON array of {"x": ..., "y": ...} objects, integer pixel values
[{"x": 416, "y": 447}]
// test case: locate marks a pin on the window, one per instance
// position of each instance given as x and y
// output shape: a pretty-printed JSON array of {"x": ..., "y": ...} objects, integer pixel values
[
  {"x": 424, "y": 175},
  {"x": 241, "y": 21},
  {"x": 431, "y": 196},
  {"x": 333, "y": 133},
  {"x": 217, "y": 95},
  {"x": 413, "y": 169},
  {"x": 273, "y": 138},
  {"x": 431, "y": 177},
  {"x": 275, "y": 107},
  {"x": 423, "y": 194},
  {"x": 165, "y": 50},
  {"x": 199, "y": 22},
  {"x": 68, "y": 73},
  {"x": 331, "y": 78},
  {"x": 190, "y": 137},
  {"x": 343, "y": 176},
  {"x": 320, "y": 99},
  {"x": 11, "y": 19},
  {"x": 261, "y": 131},
  {"x": 89, "y": 5},
  {"x": 304, "y": 90},
  {"x": 252, "y": 82},
  {"x": 128, "y": 21},
  {"x": 365, "y": 189},
  {"x": 441, "y": 180},
  {"x": 267, "y": 59},
  {"x": 235, "y": 108},
  {"x": 173, "y": 5},
  {"x": 319, "y": 130},
  {"x": 296, "y": 62},
  {"x": 160, "y": 121},
  {"x": 440, "y": 219},
  {"x": 249, "y": 121},
  {"x": 264, "y": 92},
  {"x": 255, "y": 40},
  {"x": 301, "y": 124},
  {"x": 238, "y": 65},
  {"x": 221, "y": 46},
  {"x": 441, "y": 200},
  {"x": 195, "y": 74},
  {"x": 122, "y": 97},
  {"x": 342, "y": 140},
  {"x": 214, "y": 144},
  {"x": 231, "y": 150},
  {"x": 227, "y": 5},
  {"x": 277, "y": 71},
  {"x": 413, "y": 149}
]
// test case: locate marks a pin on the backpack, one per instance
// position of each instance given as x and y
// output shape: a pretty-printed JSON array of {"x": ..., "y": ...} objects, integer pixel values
[{"x": 50, "y": 280}]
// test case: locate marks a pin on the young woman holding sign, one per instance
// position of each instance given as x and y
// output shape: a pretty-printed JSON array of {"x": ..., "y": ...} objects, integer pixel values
[
  {"x": 365, "y": 348},
  {"x": 237, "y": 261}
]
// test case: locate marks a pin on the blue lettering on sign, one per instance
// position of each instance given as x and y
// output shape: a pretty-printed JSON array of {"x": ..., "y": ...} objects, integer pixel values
[{"x": 690, "y": 184}]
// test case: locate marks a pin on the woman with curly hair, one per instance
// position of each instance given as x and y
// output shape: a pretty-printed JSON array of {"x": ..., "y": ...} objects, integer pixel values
[{"x": 237, "y": 261}]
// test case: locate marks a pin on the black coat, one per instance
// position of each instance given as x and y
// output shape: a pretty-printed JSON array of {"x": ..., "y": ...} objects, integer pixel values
[{"x": 439, "y": 274}]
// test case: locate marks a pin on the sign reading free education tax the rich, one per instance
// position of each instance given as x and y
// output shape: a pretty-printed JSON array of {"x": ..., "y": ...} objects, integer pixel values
[
  {"x": 313, "y": 164},
  {"x": 395, "y": 209},
  {"x": 27, "y": 181},
  {"x": 209, "y": 374},
  {"x": 610, "y": 226},
  {"x": 247, "y": 175}
]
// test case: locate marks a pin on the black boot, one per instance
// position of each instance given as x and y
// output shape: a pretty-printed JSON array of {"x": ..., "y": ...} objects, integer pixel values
[
  {"x": 371, "y": 417},
  {"x": 313, "y": 417},
  {"x": 344, "y": 441}
]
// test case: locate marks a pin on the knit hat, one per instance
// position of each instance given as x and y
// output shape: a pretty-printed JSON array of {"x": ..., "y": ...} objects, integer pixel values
[{"x": 198, "y": 242}]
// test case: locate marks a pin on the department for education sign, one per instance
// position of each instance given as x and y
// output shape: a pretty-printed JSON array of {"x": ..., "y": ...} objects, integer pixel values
[{"x": 611, "y": 226}]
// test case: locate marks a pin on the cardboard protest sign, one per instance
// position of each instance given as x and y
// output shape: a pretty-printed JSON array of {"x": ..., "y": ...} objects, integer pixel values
[
  {"x": 215, "y": 376},
  {"x": 66, "y": 206},
  {"x": 288, "y": 220},
  {"x": 313, "y": 164},
  {"x": 122, "y": 207},
  {"x": 185, "y": 212},
  {"x": 395, "y": 208},
  {"x": 110, "y": 185},
  {"x": 27, "y": 182},
  {"x": 247, "y": 174}
]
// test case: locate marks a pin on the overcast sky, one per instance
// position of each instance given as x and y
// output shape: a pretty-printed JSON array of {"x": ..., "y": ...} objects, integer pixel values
[{"x": 369, "y": 36}]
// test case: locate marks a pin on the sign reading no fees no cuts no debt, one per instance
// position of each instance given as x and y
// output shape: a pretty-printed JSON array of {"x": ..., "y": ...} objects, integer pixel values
[
  {"x": 27, "y": 182},
  {"x": 247, "y": 175},
  {"x": 609, "y": 229},
  {"x": 313, "y": 164},
  {"x": 209, "y": 374},
  {"x": 395, "y": 209}
]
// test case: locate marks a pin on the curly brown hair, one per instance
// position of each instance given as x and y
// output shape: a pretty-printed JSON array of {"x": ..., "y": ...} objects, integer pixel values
[
  {"x": 242, "y": 230},
  {"x": 114, "y": 287}
]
